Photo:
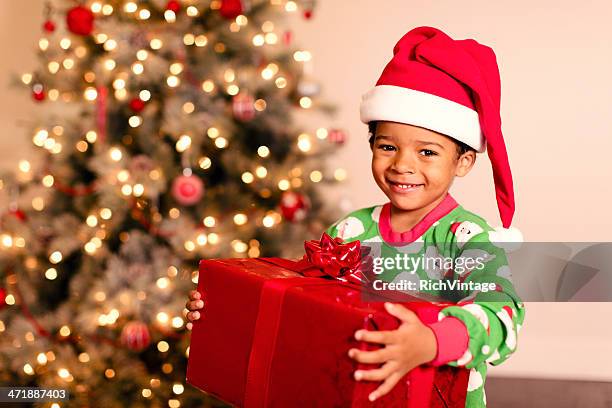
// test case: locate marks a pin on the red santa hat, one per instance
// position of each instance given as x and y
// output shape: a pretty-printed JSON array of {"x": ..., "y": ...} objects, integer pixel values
[{"x": 451, "y": 87}]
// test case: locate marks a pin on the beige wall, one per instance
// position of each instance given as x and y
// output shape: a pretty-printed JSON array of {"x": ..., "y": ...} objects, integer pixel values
[
  {"x": 20, "y": 29},
  {"x": 555, "y": 60}
]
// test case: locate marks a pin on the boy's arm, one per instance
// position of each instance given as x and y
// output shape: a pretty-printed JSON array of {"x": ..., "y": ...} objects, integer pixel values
[{"x": 484, "y": 325}]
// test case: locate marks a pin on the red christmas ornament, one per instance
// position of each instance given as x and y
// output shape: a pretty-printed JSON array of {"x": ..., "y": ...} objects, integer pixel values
[
  {"x": 287, "y": 37},
  {"x": 80, "y": 20},
  {"x": 173, "y": 5},
  {"x": 294, "y": 206},
  {"x": 2, "y": 298},
  {"x": 20, "y": 215},
  {"x": 231, "y": 9},
  {"x": 308, "y": 6},
  {"x": 337, "y": 136},
  {"x": 187, "y": 190},
  {"x": 137, "y": 105},
  {"x": 38, "y": 93},
  {"x": 243, "y": 107},
  {"x": 49, "y": 26},
  {"x": 135, "y": 336}
]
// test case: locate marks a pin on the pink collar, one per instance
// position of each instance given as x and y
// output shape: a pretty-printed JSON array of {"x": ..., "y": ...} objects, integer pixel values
[{"x": 400, "y": 238}]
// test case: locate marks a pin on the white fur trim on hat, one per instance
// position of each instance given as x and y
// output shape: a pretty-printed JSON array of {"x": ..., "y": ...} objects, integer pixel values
[
  {"x": 509, "y": 239},
  {"x": 404, "y": 105}
]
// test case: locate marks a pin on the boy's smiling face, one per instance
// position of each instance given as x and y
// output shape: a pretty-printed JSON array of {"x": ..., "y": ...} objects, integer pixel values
[{"x": 415, "y": 167}]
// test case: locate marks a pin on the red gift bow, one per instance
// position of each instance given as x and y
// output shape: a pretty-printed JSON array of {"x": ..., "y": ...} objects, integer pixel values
[{"x": 332, "y": 257}]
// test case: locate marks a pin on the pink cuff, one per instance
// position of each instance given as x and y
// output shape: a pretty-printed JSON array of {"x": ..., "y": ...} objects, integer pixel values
[{"x": 452, "y": 338}]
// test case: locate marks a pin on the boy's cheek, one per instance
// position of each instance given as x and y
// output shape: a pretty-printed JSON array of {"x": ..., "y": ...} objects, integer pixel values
[{"x": 378, "y": 167}]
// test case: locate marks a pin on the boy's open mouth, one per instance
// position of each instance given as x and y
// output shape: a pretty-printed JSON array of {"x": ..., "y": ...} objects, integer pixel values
[{"x": 403, "y": 187}]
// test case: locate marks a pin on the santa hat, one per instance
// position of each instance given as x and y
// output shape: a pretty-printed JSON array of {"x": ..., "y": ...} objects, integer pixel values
[{"x": 451, "y": 87}]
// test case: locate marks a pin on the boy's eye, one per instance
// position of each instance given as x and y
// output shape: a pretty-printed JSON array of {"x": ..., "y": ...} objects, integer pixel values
[
  {"x": 386, "y": 147},
  {"x": 427, "y": 152}
]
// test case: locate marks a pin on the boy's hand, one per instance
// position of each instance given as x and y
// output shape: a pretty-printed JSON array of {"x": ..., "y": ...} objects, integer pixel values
[
  {"x": 405, "y": 348},
  {"x": 194, "y": 304}
]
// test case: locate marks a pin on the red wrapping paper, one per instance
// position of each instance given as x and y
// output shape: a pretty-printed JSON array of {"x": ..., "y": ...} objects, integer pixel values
[{"x": 271, "y": 337}]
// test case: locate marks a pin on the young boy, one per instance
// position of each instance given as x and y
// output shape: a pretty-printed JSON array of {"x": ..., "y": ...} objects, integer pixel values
[{"x": 435, "y": 105}]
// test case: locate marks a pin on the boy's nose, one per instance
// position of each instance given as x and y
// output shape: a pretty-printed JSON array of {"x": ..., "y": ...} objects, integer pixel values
[{"x": 404, "y": 163}]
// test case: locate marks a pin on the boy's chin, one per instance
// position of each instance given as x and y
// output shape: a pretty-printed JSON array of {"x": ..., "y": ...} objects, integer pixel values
[{"x": 407, "y": 203}]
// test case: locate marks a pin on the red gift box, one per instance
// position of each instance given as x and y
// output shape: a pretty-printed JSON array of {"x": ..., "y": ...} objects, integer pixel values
[{"x": 271, "y": 337}]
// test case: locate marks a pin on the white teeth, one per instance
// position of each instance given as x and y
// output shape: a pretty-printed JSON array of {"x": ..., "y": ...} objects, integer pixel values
[{"x": 406, "y": 185}]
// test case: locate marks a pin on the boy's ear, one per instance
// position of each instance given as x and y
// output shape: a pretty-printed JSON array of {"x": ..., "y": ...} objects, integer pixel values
[{"x": 465, "y": 162}]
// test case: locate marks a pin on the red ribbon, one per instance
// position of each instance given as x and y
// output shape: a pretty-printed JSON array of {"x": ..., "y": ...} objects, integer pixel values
[{"x": 332, "y": 257}]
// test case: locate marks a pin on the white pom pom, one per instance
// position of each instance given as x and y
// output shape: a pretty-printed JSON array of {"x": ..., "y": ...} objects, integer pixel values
[{"x": 508, "y": 238}]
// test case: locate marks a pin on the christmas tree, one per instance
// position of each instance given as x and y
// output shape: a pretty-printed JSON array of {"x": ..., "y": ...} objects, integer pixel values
[{"x": 166, "y": 133}]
